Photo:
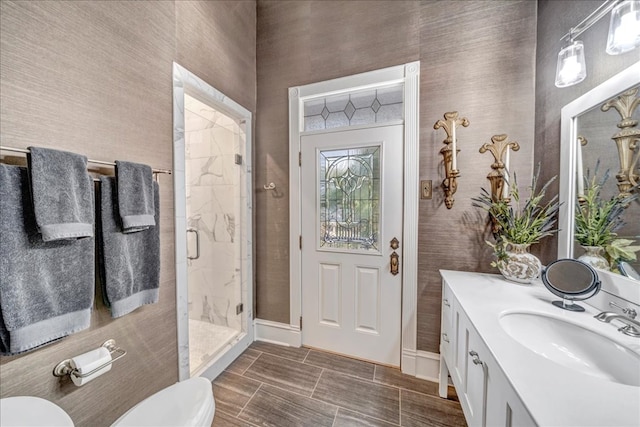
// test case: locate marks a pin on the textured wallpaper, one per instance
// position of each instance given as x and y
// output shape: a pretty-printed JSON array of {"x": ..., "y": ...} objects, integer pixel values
[
  {"x": 96, "y": 78},
  {"x": 477, "y": 57}
]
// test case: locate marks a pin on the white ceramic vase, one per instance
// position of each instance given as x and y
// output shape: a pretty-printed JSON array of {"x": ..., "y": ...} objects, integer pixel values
[
  {"x": 594, "y": 256},
  {"x": 520, "y": 266}
]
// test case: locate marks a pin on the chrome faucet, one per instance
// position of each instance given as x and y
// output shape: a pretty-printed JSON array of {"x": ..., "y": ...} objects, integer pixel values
[
  {"x": 630, "y": 312},
  {"x": 631, "y": 328}
]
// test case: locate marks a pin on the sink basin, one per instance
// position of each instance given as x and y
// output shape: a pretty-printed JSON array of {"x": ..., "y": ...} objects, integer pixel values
[{"x": 573, "y": 347}]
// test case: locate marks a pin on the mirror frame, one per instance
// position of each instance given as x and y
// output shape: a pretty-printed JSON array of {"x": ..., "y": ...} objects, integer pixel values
[
  {"x": 568, "y": 132},
  {"x": 569, "y": 297}
]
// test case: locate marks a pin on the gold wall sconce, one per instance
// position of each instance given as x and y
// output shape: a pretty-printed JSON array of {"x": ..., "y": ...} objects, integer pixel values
[
  {"x": 581, "y": 142},
  {"x": 627, "y": 140},
  {"x": 499, "y": 175},
  {"x": 450, "y": 154}
]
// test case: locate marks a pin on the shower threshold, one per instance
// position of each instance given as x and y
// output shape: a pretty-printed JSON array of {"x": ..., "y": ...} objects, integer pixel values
[{"x": 206, "y": 340}]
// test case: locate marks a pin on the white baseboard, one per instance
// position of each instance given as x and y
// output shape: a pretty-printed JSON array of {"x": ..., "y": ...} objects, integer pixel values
[
  {"x": 277, "y": 333},
  {"x": 422, "y": 364},
  {"x": 428, "y": 366}
]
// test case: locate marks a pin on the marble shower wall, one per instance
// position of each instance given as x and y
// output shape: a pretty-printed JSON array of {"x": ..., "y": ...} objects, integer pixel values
[{"x": 213, "y": 208}]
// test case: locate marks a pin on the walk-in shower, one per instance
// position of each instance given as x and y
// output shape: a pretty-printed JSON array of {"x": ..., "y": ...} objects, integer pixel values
[{"x": 213, "y": 239}]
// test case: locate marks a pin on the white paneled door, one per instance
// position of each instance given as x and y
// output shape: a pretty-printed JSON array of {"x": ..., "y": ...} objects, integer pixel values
[{"x": 352, "y": 242}]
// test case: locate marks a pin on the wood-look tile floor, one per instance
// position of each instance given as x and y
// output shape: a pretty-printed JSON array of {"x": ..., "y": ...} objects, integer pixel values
[{"x": 271, "y": 385}]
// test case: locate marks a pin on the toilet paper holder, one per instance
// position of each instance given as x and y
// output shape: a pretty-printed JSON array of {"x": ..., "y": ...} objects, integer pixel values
[{"x": 64, "y": 368}]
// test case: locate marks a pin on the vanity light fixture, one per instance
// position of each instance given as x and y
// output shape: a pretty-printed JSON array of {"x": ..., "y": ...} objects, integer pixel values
[
  {"x": 624, "y": 36},
  {"x": 450, "y": 153},
  {"x": 571, "y": 68},
  {"x": 624, "y": 28}
]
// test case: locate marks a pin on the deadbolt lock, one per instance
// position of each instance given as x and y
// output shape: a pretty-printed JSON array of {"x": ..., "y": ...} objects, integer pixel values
[{"x": 395, "y": 244}]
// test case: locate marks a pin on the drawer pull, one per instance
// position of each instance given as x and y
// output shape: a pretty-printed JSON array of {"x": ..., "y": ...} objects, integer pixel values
[
  {"x": 446, "y": 302},
  {"x": 445, "y": 338},
  {"x": 476, "y": 359}
]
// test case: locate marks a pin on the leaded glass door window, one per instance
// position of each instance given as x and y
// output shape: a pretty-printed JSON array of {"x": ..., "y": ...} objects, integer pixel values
[{"x": 349, "y": 205}]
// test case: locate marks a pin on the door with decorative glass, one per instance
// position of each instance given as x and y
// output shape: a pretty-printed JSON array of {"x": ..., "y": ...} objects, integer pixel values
[{"x": 351, "y": 242}]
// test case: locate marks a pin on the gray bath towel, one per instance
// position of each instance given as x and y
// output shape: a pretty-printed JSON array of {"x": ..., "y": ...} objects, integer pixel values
[
  {"x": 129, "y": 262},
  {"x": 135, "y": 196},
  {"x": 46, "y": 288},
  {"x": 62, "y": 193}
]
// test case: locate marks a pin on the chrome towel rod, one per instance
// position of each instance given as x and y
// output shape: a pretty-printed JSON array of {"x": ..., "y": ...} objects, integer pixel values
[{"x": 97, "y": 162}]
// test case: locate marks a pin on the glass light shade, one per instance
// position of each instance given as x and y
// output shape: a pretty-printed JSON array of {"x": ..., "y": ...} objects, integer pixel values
[
  {"x": 624, "y": 28},
  {"x": 571, "y": 68}
]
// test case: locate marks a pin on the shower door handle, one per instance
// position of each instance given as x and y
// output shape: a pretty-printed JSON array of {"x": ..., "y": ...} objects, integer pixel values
[{"x": 193, "y": 230}]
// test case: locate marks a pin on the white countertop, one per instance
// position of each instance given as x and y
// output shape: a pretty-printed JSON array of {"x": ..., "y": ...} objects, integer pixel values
[{"x": 553, "y": 395}]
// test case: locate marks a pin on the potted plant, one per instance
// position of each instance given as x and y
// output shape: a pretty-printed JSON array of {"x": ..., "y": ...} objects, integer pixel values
[
  {"x": 596, "y": 221},
  {"x": 517, "y": 225}
]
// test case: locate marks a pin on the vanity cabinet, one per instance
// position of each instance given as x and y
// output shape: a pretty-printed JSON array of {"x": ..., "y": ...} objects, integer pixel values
[
  {"x": 485, "y": 395},
  {"x": 446, "y": 322}
]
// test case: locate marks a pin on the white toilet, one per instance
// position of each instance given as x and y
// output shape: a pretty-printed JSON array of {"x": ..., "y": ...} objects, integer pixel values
[{"x": 187, "y": 403}]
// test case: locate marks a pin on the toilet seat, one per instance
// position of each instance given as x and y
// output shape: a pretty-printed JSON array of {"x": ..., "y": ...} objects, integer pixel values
[{"x": 187, "y": 403}]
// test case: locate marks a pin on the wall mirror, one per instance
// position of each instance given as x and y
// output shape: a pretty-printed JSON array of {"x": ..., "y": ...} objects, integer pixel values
[{"x": 586, "y": 138}]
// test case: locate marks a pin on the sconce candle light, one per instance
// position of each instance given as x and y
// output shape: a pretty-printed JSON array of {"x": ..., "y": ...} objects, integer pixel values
[
  {"x": 624, "y": 36},
  {"x": 627, "y": 139},
  {"x": 580, "y": 142},
  {"x": 450, "y": 153},
  {"x": 498, "y": 177}
]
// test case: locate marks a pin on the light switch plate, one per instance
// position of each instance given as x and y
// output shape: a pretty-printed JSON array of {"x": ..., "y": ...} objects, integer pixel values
[{"x": 426, "y": 189}]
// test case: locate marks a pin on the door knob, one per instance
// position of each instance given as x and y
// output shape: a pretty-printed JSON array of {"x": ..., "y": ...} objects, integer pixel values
[
  {"x": 395, "y": 263},
  {"x": 394, "y": 257}
]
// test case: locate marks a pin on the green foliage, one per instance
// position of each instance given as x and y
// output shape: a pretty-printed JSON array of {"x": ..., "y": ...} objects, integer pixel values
[
  {"x": 517, "y": 221},
  {"x": 596, "y": 219},
  {"x": 621, "y": 250},
  {"x": 499, "y": 249}
]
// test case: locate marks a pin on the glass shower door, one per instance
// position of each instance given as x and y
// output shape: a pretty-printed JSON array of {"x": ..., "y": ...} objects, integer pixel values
[{"x": 214, "y": 145}]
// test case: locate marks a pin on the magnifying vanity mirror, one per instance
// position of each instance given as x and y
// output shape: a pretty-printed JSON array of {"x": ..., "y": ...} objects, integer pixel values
[
  {"x": 571, "y": 280},
  {"x": 593, "y": 132}
]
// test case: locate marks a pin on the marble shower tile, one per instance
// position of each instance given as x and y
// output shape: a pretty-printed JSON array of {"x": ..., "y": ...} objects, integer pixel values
[
  {"x": 287, "y": 374},
  {"x": 374, "y": 400},
  {"x": 223, "y": 139},
  {"x": 227, "y": 122}
]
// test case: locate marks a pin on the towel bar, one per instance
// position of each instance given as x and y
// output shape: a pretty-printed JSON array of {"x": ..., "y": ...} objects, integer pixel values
[
  {"x": 97, "y": 162},
  {"x": 64, "y": 368}
]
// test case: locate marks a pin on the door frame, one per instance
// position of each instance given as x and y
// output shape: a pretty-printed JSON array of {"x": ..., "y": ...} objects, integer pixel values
[
  {"x": 186, "y": 82},
  {"x": 409, "y": 75}
]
